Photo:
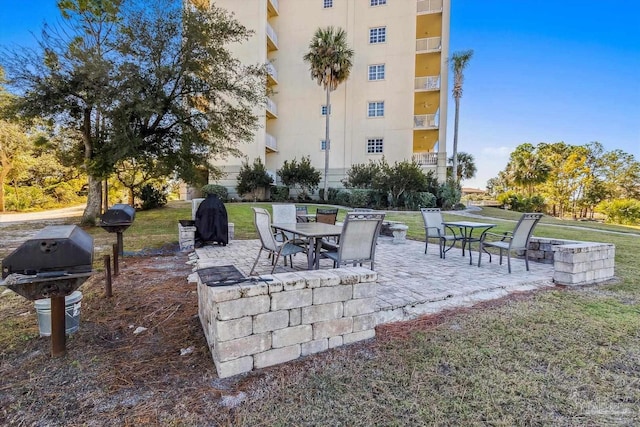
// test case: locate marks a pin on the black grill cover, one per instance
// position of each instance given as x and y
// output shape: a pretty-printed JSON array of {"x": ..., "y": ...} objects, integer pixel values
[
  {"x": 119, "y": 214},
  {"x": 211, "y": 221},
  {"x": 55, "y": 248}
]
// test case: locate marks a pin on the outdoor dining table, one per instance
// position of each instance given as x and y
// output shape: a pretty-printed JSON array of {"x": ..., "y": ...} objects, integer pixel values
[
  {"x": 314, "y": 232},
  {"x": 466, "y": 230}
]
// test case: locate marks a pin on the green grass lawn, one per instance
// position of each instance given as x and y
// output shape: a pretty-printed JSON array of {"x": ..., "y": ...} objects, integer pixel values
[{"x": 568, "y": 357}]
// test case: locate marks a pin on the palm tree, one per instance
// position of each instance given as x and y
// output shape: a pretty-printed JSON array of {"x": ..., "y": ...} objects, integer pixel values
[
  {"x": 330, "y": 61},
  {"x": 459, "y": 61},
  {"x": 466, "y": 166}
]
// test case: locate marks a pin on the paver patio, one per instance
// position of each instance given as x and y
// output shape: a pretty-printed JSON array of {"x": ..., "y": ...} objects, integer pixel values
[{"x": 411, "y": 283}]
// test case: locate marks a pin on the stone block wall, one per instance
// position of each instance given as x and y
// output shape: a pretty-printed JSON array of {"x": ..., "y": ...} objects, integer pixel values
[
  {"x": 258, "y": 324},
  {"x": 583, "y": 263},
  {"x": 186, "y": 237},
  {"x": 541, "y": 249}
]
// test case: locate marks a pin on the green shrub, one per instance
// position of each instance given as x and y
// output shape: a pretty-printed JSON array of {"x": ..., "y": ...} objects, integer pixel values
[
  {"x": 153, "y": 196},
  {"x": 343, "y": 198},
  {"x": 363, "y": 175},
  {"x": 448, "y": 195},
  {"x": 414, "y": 200},
  {"x": 279, "y": 193},
  {"x": 253, "y": 178},
  {"x": 621, "y": 211},
  {"x": 302, "y": 175},
  {"x": 360, "y": 198},
  {"x": 218, "y": 190}
]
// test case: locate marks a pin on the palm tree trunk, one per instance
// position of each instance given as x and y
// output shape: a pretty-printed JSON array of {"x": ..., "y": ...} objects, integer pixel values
[
  {"x": 454, "y": 164},
  {"x": 327, "y": 145}
]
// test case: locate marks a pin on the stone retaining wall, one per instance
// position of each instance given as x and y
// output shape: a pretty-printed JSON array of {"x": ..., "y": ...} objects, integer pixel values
[
  {"x": 583, "y": 263},
  {"x": 574, "y": 263},
  {"x": 541, "y": 249},
  {"x": 258, "y": 324}
]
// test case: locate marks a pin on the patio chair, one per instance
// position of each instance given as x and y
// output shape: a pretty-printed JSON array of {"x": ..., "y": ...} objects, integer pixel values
[
  {"x": 516, "y": 240},
  {"x": 301, "y": 214},
  {"x": 285, "y": 214},
  {"x": 327, "y": 215},
  {"x": 357, "y": 240},
  {"x": 262, "y": 221},
  {"x": 434, "y": 229}
]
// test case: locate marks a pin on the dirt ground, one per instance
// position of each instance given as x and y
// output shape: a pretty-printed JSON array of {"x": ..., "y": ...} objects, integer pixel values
[{"x": 112, "y": 375}]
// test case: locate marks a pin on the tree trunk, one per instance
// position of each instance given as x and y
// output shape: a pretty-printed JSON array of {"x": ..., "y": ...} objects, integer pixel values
[
  {"x": 3, "y": 175},
  {"x": 131, "y": 197},
  {"x": 327, "y": 145},
  {"x": 94, "y": 201},
  {"x": 454, "y": 164}
]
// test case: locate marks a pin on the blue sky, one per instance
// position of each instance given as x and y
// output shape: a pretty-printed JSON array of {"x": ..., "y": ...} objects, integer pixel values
[
  {"x": 565, "y": 70},
  {"x": 546, "y": 72}
]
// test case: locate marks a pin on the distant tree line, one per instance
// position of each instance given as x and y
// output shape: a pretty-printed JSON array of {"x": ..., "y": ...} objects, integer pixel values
[{"x": 571, "y": 180}]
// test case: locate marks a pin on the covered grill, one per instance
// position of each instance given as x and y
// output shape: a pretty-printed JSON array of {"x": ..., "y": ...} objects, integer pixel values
[
  {"x": 116, "y": 220},
  {"x": 52, "y": 264}
]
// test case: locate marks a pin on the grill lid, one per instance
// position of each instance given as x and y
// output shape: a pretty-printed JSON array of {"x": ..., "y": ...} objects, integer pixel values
[
  {"x": 118, "y": 214},
  {"x": 56, "y": 249}
]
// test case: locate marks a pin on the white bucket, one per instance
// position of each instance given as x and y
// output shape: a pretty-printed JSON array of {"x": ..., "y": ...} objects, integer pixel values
[{"x": 72, "y": 314}]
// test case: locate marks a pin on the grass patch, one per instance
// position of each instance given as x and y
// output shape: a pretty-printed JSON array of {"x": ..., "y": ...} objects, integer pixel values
[{"x": 566, "y": 357}]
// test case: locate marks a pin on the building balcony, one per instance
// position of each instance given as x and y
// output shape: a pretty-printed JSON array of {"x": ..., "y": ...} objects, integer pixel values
[
  {"x": 271, "y": 143},
  {"x": 272, "y": 109},
  {"x": 429, "y": 6},
  {"x": 427, "y": 83},
  {"x": 428, "y": 45},
  {"x": 425, "y": 159},
  {"x": 272, "y": 8},
  {"x": 272, "y": 38},
  {"x": 272, "y": 74},
  {"x": 425, "y": 121}
]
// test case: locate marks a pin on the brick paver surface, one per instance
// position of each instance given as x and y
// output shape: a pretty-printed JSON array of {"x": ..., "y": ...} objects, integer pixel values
[{"x": 411, "y": 283}]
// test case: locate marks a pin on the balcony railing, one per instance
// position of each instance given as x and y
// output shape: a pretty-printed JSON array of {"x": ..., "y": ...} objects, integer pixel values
[
  {"x": 272, "y": 72},
  {"x": 270, "y": 142},
  {"x": 425, "y": 159},
  {"x": 429, "y": 6},
  {"x": 272, "y": 109},
  {"x": 425, "y": 121},
  {"x": 272, "y": 37},
  {"x": 427, "y": 83},
  {"x": 431, "y": 44},
  {"x": 273, "y": 7}
]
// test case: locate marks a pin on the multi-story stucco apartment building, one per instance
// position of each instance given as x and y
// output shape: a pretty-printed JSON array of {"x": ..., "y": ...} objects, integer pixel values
[{"x": 394, "y": 103}]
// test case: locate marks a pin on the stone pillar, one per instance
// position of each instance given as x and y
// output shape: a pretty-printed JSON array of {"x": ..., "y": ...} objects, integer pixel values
[
  {"x": 583, "y": 263},
  {"x": 399, "y": 233}
]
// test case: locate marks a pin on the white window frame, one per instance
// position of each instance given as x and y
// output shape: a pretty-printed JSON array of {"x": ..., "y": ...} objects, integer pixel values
[
  {"x": 326, "y": 4},
  {"x": 375, "y": 109},
  {"x": 375, "y": 145},
  {"x": 377, "y": 35},
  {"x": 377, "y": 71},
  {"x": 374, "y": 3}
]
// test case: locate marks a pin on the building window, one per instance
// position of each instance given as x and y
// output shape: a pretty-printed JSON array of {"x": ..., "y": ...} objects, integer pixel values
[
  {"x": 327, "y": 4},
  {"x": 377, "y": 35},
  {"x": 377, "y": 2},
  {"x": 374, "y": 145},
  {"x": 376, "y": 109},
  {"x": 323, "y": 110},
  {"x": 323, "y": 144},
  {"x": 376, "y": 72}
]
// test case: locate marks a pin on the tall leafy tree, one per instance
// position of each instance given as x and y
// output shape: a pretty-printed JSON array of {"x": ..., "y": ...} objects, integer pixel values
[
  {"x": 330, "y": 60},
  {"x": 70, "y": 79},
  {"x": 458, "y": 61},
  {"x": 149, "y": 83}
]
